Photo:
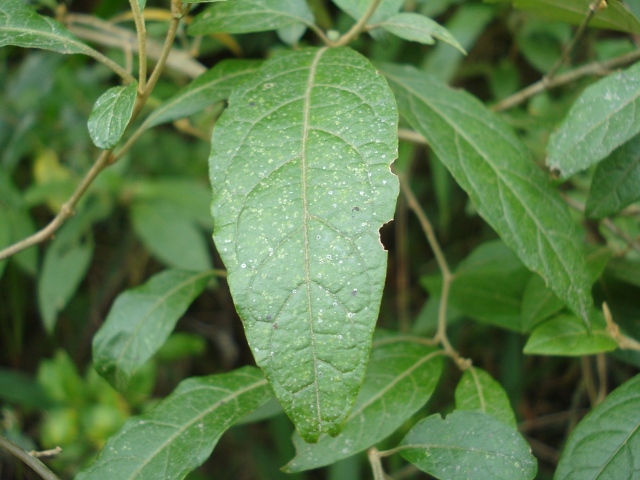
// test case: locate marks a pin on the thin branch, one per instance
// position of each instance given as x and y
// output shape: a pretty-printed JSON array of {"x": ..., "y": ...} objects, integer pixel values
[
  {"x": 594, "y": 68},
  {"x": 141, "y": 32},
  {"x": 624, "y": 342},
  {"x": 35, "y": 464},
  {"x": 447, "y": 276},
  {"x": 593, "y": 8},
  {"x": 66, "y": 211},
  {"x": 359, "y": 26},
  {"x": 110, "y": 35},
  {"x": 411, "y": 136}
]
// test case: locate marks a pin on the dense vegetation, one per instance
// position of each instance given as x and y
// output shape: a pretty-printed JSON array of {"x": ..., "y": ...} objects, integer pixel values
[{"x": 490, "y": 331}]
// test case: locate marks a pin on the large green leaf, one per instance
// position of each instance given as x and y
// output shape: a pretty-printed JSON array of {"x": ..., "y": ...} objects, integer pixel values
[
  {"x": 245, "y": 16},
  {"x": 401, "y": 376},
  {"x": 492, "y": 166},
  {"x": 20, "y": 25},
  {"x": 111, "y": 114},
  {"x": 212, "y": 86},
  {"x": 179, "y": 433},
  {"x": 488, "y": 285},
  {"x": 605, "y": 444},
  {"x": 301, "y": 182},
  {"x": 616, "y": 181},
  {"x": 566, "y": 335},
  {"x": 614, "y": 17},
  {"x": 468, "y": 445},
  {"x": 140, "y": 321},
  {"x": 602, "y": 119},
  {"x": 477, "y": 391}
]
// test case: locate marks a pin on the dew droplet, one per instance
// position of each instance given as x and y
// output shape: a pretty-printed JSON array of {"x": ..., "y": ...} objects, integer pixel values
[{"x": 244, "y": 265}]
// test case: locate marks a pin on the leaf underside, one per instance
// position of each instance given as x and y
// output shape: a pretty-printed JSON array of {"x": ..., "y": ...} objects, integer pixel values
[
  {"x": 301, "y": 181},
  {"x": 489, "y": 162}
]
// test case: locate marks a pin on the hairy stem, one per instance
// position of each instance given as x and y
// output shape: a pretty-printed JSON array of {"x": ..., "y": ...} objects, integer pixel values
[
  {"x": 141, "y": 32},
  {"x": 359, "y": 26},
  {"x": 35, "y": 464}
]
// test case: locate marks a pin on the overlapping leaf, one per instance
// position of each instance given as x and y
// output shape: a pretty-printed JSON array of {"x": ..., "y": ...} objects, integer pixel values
[
  {"x": 603, "y": 118},
  {"x": 566, "y": 335},
  {"x": 477, "y": 391},
  {"x": 468, "y": 445},
  {"x": 20, "y": 25},
  {"x": 492, "y": 166},
  {"x": 244, "y": 16},
  {"x": 210, "y": 87},
  {"x": 179, "y": 433},
  {"x": 111, "y": 115},
  {"x": 301, "y": 182},
  {"x": 401, "y": 376},
  {"x": 616, "y": 181},
  {"x": 418, "y": 28},
  {"x": 605, "y": 444},
  {"x": 140, "y": 321}
]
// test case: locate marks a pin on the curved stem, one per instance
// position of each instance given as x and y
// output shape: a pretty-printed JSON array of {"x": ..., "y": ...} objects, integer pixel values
[
  {"x": 359, "y": 25},
  {"x": 594, "y": 68},
  {"x": 35, "y": 464},
  {"x": 141, "y": 32}
]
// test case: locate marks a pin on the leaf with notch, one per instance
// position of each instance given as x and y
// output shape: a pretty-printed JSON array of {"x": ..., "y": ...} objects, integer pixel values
[
  {"x": 301, "y": 184},
  {"x": 20, "y": 25},
  {"x": 212, "y": 86},
  {"x": 178, "y": 434},
  {"x": 401, "y": 377},
  {"x": 418, "y": 28},
  {"x": 605, "y": 444},
  {"x": 140, "y": 321},
  {"x": 616, "y": 181},
  {"x": 246, "y": 16},
  {"x": 603, "y": 118},
  {"x": 111, "y": 115},
  {"x": 468, "y": 445},
  {"x": 490, "y": 163}
]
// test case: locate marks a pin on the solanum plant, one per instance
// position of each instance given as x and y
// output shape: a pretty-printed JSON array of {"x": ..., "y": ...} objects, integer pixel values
[{"x": 303, "y": 178}]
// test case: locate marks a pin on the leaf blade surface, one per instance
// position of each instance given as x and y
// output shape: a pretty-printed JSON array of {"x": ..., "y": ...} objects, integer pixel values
[
  {"x": 301, "y": 181},
  {"x": 140, "y": 321},
  {"x": 401, "y": 377},
  {"x": 492, "y": 166},
  {"x": 603, "y": 118},
  {"x": 605, "y": 444},
  {"x": 179, "y": 433}
]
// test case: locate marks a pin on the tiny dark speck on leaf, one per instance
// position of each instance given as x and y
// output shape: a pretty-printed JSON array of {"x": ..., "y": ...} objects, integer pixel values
[
  {"x": 355, "y": 209},
  {"x": 252, "y": 104},
  {"x": 268, "y": 317},
  {"x": 275, "y": 326}
]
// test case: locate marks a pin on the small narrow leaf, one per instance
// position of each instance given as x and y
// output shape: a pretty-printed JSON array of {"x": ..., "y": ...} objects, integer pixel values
[
  {"x": 245, "y": 16},
  {"x": 20, "y": 25},
  {"x": 468, "y": 445},
  {"x": 111, "y": 114},
  {"x": 477, "y": 391},
  {"x": 605, "y": 444},
  {"x": 616, "y": 181},
  {"x": 566, "y": 335},
  {"x": 401, "y": 376},
  {"x": 301, "y": 182},
  {"x": 179, "y": 434},
  {"x": 210, "y": 87},
  {"x": 418, "y": 28},
  {"x": 602, "y": 119},
  {"x": 140, "y": 321},
  {"x": 490, "y": 163}
]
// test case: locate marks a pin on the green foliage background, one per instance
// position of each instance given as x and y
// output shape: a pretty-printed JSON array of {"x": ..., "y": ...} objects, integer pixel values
[{"x": 121, "y": 342}]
